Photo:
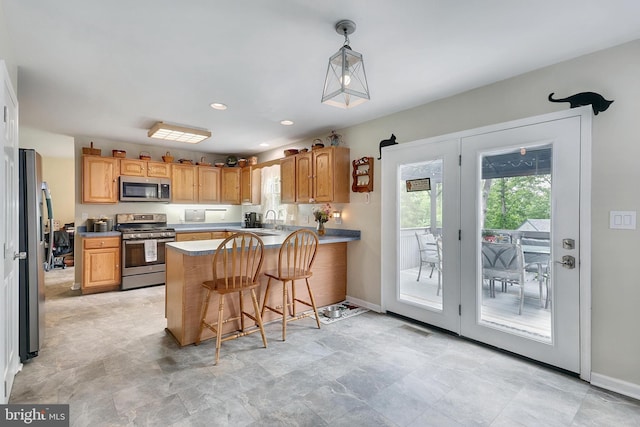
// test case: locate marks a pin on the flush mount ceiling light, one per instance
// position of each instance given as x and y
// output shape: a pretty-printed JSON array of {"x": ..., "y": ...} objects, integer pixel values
[
  {"x": 286, "y": 122},
  {"x": 178, "y": 133},
  {"x": 218, "y": 106},
  {"x": 346, "y": 83}
]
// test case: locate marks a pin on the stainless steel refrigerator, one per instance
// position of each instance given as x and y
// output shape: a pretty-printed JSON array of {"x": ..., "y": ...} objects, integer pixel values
[{"x": 32, "y": 245}]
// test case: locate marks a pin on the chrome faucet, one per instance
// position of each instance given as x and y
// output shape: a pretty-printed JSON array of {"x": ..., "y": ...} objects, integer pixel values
[{"x": 266, "y": 216}]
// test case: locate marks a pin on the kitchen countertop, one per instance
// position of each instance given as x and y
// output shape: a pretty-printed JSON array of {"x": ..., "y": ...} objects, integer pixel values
[
  {"x": 86, "y": 234},
  {"x": 274, "y": 239}
]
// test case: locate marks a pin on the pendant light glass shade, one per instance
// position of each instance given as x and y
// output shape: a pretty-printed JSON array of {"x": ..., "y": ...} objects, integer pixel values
[{"x": 346, "y": 83}]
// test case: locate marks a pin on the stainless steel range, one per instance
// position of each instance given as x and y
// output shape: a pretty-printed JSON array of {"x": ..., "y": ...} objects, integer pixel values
[{"x": 143, "y": 250}]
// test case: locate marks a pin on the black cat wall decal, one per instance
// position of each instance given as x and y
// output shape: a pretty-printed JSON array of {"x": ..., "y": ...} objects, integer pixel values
[
  {"x": 597, "y": 101},
  {"x": 386, "y": 143}
]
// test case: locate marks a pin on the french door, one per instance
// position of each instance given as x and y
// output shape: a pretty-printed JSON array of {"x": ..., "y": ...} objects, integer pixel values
[
  {"x": 510, "y": 189},
  {"x": 429, "y": 209}
]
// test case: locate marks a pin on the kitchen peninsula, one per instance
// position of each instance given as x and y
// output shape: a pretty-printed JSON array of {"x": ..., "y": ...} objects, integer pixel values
[{"x": 189, "y": 264}]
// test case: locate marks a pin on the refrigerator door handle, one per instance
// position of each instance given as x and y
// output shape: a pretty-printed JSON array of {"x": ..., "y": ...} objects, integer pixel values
[{"x": 20, "y": 255}]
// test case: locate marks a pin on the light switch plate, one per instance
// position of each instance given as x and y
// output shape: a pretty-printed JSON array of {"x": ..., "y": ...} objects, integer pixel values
[{"x": 625, "y": 220}]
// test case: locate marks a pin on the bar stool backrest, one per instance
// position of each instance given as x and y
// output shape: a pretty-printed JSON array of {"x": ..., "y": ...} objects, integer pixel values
[
  {"x": 297, "y": 254},
  {"x": 238, "y": 260}
]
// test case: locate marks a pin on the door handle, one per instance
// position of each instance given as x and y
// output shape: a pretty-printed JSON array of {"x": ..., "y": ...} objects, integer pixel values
[
  {"x": 568, "y": 262},
  {"x": 20, "y": 255}
]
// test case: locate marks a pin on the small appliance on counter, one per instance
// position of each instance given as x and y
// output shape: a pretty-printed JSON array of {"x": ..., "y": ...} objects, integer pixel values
[{"x": 252, "y": 220}]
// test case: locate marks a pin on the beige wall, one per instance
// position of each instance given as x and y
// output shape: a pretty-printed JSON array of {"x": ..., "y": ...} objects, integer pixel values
[
  {"x": 615, "y": 290},
  {"x": 616, "y": 147},
  {"x": 55, "y": 171}
]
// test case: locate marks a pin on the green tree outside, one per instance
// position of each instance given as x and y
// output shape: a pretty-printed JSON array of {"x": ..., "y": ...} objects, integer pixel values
[{"x": 512, "y": 200}]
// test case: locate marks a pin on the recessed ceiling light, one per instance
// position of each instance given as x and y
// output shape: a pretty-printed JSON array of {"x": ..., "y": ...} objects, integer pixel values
[
  {"x": 218, "y": 106},
  {"x": 286, "y": 122},
  {"x": 264, "y": 144}
]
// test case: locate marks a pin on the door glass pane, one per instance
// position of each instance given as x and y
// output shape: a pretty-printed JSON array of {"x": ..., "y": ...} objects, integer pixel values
[
  {"x": 420, "y": 253},
  {"x": 514, "y": 280}
]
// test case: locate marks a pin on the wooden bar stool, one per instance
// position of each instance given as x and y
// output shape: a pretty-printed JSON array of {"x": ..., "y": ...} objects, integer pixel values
[
  {"x": 236, "y": 267},
  {"x": 297, "y": 254}
]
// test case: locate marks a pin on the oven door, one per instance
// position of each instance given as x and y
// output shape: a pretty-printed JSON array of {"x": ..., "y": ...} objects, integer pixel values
[{"x": 136, "y": 261}]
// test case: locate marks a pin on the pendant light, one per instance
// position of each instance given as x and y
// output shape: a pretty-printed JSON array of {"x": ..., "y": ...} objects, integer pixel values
[{"x": 346, "y": 83}]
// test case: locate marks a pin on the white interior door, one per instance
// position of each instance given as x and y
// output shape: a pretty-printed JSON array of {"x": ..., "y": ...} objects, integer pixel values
[
  {"x": 9, "y": 357},
  {"x": 516, "y": 294},
  {"x": 421, "y": 196}
]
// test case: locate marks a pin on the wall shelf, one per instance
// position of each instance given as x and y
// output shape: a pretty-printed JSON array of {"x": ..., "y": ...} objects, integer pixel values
[{"x": 362, "y": 175}]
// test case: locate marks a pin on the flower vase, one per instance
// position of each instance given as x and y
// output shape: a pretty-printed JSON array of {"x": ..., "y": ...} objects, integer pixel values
[{"x": 320, "y": 228}]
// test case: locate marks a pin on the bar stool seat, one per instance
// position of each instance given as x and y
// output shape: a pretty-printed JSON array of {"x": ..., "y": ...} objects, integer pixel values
[
  {"x": 236, "y": 267},
  {"x": 296, "y": 257}
]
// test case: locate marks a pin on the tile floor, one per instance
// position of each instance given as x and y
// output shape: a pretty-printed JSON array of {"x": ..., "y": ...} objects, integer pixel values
[{"x": 108, "y": 356}]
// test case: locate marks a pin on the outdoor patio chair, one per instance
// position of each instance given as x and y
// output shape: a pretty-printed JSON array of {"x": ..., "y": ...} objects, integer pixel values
[
  {"x": 430, "y": 249},
  {"x": 503, "y": 262}
]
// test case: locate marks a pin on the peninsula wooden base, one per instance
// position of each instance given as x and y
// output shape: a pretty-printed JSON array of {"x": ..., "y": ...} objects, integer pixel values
[{"x": 184, "y": 294}]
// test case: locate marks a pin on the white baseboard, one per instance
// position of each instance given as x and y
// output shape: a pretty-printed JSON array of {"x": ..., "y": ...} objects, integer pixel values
[
  {"x": 614, "y": 384},
  {"x": 365, "y": 304}
]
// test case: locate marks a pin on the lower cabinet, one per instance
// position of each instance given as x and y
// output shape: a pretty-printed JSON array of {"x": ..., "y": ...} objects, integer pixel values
[
  {"x": 201, "y": 235},
  {"x": 100, "y": 264}
]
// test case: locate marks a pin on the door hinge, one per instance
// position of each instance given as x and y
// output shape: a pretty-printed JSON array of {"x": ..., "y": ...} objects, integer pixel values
[
  {"x": 459, "y": 309},
  {"x": 459, "y": 159},
  {"x": 459, "y": 234},
  {"x": 5, "y": 114}
]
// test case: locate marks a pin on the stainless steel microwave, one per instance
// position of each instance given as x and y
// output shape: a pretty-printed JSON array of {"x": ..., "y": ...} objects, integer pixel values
[{"x": 141, "y": 189}]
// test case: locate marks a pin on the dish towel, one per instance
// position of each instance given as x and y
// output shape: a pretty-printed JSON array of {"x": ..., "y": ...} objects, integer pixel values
[{"x": 150, "y": 250}]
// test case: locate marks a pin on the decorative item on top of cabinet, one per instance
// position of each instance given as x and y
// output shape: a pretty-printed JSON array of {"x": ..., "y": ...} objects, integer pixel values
[
  {"x": 90, "y": 151},
  {"x": 334, "y": 139},
  {"x": 167, "y": 158},
  {"x": 362, "y": 175}
]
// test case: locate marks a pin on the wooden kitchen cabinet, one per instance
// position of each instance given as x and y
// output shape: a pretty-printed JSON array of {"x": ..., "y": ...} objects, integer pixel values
[
  {"x": 319, "y": 176},
  {"x": 304, "y": 177},
  {"x": 288, "y": 180},
  {"x": 134, "y": 167},
  {"x": 184, "y": 181},
  {"x": 100, "y": 179},
  {"x": 100, "y": 264},
  {"x": 208, "y": 184},
  {"x": 250, "y": 185},
  {"x": 196, "y": 184},
  {"x": 230, "y": 186}
]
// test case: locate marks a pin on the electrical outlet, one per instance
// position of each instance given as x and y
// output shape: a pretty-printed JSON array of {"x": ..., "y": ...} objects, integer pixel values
[
  {"x": 305, "y": 219},
  {"x": 85, "y": 216}
]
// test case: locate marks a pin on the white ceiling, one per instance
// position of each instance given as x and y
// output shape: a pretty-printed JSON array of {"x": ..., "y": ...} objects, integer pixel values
[{"x": 111, "y": 69}]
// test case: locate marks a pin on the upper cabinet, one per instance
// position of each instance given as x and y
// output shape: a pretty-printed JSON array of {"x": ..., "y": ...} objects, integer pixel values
[
  {"x": 250, "y": 185},
  {"x": 208, "y": 184},
  {"x": 205, "y": 184},
  {"x": 230, "y": 186},
  {"x": 134, "y": 167},
  {"x": 100, "y": 179},
  {"x": 184, "y": 181},
  {"x": 319, "y": 176},
  {"x": 288, "y": 180},
  {"x": 189, "y": 183}
]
